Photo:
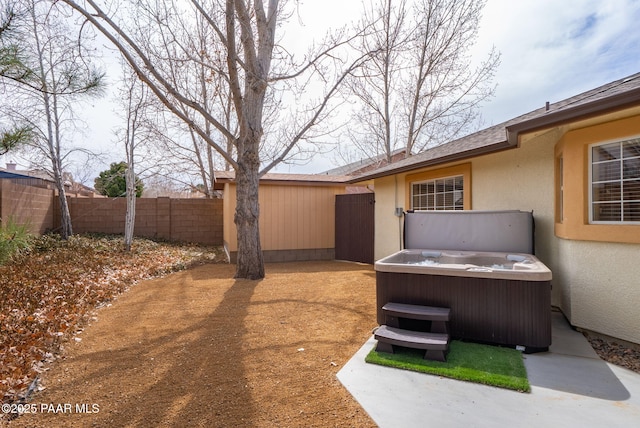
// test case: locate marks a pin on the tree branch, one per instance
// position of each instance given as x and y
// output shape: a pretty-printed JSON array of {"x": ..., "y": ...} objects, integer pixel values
[{"x": 127, "y": 54}]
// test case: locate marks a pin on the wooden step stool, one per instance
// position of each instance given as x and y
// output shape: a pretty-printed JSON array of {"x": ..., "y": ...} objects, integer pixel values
[
  {"x": 436, "y": 345},
  {"x": 439, "y": 317}
]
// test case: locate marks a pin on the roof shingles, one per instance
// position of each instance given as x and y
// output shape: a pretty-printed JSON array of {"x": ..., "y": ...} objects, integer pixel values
[{"x": 618, "y": 94}]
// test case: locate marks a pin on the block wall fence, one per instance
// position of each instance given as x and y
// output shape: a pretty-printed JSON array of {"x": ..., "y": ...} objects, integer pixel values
[
  {"x": 28, "y": 205},
  {"x": 185, "y": 220}
]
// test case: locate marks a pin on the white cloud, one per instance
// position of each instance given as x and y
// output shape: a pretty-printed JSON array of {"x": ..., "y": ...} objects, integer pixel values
[{"x": 552, "y": 50}]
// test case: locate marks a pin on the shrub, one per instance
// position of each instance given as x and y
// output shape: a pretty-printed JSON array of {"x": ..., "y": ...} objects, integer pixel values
[{"x": 14, "y": 238}]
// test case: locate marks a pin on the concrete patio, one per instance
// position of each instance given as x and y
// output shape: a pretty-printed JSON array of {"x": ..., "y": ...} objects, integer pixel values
[{"x": 570, "y": 387}]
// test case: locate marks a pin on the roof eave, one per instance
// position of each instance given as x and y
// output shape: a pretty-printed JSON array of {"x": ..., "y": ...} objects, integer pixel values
[
  {"x": 492, "y": 148},
  {"x": 552, "y": 118},
  {"x": 289, "y": 179},
  {"x": 583, "y": 111}
]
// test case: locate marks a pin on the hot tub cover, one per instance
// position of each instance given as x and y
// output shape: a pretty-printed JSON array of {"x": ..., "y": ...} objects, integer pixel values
[{"x": 501, "y": 231}]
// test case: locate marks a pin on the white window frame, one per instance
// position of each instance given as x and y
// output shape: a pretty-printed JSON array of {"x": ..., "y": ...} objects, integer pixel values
[
  {"x": 434, "y": 181},
  {"x": 621, "y": 180}
]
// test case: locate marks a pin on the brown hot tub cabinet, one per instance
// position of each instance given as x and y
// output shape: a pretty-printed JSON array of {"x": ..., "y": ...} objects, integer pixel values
[
  {"x": 489, "y": 310},
  {"x": 497, "y": 291}
]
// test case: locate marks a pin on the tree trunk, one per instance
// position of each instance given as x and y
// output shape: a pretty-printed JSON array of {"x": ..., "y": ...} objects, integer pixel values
[
  {"x": 66, "y": 230},
  {"x": 130, "y": 216},
  {"x": 250, "y": 263},
  {"x": 249, "y": 108}
]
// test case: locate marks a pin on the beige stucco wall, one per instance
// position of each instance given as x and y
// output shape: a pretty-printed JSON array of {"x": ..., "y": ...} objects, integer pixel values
[
  {"x": 388, "y": 229},
  {"x": 596, "y": 284},
  {"x": 603, "y": 280},
  {"x": 523, "y": 179}
]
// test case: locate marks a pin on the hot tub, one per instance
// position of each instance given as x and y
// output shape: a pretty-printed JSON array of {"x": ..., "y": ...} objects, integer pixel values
[
  {"x": 474, "y": 264},
  {"x": 498, "y": 297}
]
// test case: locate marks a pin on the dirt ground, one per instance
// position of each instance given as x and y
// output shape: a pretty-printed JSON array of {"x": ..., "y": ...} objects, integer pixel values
[{"x": 198, "y": 348}]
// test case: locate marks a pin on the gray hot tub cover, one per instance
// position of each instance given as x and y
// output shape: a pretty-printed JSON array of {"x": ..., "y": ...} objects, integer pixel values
[{"x": 501, "y": 231}]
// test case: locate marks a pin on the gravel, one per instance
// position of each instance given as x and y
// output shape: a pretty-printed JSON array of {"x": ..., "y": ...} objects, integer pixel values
[{"x": 620, "y": 354}]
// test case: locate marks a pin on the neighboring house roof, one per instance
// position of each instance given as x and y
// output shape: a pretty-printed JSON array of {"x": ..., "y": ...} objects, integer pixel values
[
  {"x": 24, "y": 177},
  {"x": 368, "y": 164},
  {"x": 41, "y": 178},
  {"x": 612, "y": 96},
  {"x": 13, "y": 173},
  {"x": 8, "y": 174}
]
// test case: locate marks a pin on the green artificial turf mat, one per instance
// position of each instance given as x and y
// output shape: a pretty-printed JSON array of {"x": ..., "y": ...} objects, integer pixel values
[{"x": 472, "y": 362}]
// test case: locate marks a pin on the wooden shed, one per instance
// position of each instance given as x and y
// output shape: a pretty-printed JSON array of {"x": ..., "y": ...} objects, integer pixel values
[{"x": 297, "y": 215}]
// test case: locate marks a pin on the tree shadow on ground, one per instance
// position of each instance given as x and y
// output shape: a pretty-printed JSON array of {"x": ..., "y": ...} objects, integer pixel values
[{"x": 199, "y": 348}]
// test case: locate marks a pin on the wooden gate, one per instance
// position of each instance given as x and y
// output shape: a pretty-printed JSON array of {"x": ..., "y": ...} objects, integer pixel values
[{"x": 355, "y": 227}]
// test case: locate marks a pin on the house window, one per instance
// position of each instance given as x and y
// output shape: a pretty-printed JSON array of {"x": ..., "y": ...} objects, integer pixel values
[
  {"x": 615, "y": 182},
  {"x": 438, "y": 194}
]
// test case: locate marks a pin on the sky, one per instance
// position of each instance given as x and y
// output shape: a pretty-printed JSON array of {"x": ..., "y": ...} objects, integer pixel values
[
  {"x": 550, "y": 50},
  {"x": 554, "y": 49}
]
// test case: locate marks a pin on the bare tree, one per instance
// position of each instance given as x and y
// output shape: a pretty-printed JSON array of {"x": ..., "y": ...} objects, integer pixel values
[
  {"x": 419, "y": 88},
  {"x": 57, "y": 74},
  {"x": 192, "y": 157},
  {"x": 136, "y": 132},
  {"x": 214, "y": 95},
  {"x": 183, "y": 155},
  {"x": 374, "y": 87},
  {"x": 245, "y": 36}
]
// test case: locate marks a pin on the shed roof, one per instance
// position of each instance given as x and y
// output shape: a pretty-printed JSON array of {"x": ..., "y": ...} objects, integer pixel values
[
  {"x": 613, "y": 96},
  {"x": 291, "y": 179}
]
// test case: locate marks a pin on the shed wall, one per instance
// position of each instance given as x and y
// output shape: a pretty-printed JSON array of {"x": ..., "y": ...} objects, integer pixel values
[{"x": 297, "y": 222}]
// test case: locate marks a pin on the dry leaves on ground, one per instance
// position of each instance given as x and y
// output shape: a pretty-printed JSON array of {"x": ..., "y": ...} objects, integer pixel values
[
  {"x": 49, "y": 293},
  {"x": 200, "y": 348}
]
